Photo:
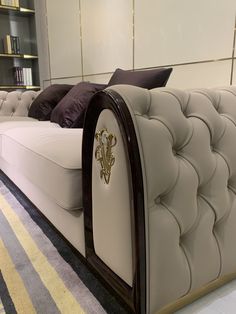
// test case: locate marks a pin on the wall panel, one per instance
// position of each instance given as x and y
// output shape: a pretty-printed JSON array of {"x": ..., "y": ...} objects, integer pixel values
[
  {"x": 64, "y": 38},
  {"x": 210, "y": 74},
  {"x": 99, "y": 78},
  {"x": 68, "y": 80},
  {"x": 42, "y": 41},
  {"x": 170, "y": 32},
  {"x": 107, "y": 35},
  {"x": 234, "y": 73}
]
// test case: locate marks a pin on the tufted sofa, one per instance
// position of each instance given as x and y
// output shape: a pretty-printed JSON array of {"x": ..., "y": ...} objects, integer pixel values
[
  {"x": 169, "y": 209},
  {"x": 44, "y": 161},
  {"x": 154, "y": 209}
]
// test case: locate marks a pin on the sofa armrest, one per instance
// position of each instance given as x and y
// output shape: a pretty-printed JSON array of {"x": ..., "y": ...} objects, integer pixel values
[
  {"x": 112, "y": 197},
  {"x": 16, "y": 103}
]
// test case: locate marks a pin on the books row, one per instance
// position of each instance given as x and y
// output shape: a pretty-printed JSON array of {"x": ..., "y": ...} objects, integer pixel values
[
  {"x": 22, "y": 76},
  {"x": 10, "y": 3},
  {"x": 11, "y": 44}
]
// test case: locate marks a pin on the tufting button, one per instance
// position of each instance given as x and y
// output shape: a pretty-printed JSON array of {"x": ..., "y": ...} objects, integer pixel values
[{"x": 158, "y": 200}]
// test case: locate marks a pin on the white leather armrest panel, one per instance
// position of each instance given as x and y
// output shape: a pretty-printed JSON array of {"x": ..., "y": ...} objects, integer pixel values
[{"x": 111, "y": 206}]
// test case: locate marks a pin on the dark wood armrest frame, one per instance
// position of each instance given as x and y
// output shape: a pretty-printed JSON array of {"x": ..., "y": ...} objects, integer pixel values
[{"x": 135, "y": 296}]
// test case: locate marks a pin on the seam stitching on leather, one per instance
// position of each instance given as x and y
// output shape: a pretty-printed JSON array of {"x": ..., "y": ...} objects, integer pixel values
[
  {"x": 200, "y": 118},
  {"x": 175, "y": 96},
  {"x": 225, "y": 115},
  {"x": 217, "y": 242}
]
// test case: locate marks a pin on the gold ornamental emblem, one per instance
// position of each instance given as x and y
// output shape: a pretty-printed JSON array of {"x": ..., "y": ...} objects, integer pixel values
[{"x": 103, "y": 153}]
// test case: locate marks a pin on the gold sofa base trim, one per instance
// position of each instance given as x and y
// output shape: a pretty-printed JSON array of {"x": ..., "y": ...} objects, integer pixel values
[{"x": 193, "y": 296}]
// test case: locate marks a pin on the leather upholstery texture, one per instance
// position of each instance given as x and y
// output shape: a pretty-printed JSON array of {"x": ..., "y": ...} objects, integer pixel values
[
  {"x": 16, "y": 103},
  {"x": 188, "y": 152}
]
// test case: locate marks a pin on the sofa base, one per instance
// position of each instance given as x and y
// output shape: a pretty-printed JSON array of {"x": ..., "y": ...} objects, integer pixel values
[
  {"x": 69, "y": 223},
  {"x": 193, "y": 296}
]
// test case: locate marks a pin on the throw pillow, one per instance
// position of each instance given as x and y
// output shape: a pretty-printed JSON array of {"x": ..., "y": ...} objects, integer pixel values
[
  {"x": 70, "y": 111},
  {"x": 147, "y": 79},
  {"x": 41, "y": 108}
]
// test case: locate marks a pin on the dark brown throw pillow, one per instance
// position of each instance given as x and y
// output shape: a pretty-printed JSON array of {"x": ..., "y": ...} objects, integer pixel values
[
  {"x": 70, "y": 111},
  {"x": 147, "y": 79},
  {"x": 41, "y": 108}
]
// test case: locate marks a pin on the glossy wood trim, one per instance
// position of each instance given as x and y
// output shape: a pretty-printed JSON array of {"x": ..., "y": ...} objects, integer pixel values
[{"x": 135, "y": 296}]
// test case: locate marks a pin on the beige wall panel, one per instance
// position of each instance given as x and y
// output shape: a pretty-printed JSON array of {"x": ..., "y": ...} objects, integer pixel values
[
  {"x": 107, "y": 35},
  {"x": 170, "y": 32},
  {"x": 68, "y": 80},
  {"x": 42, "y": 41},
  {"x": 210, "y": 74},
  {"x": 64, "y": 38},
  {"x": 100, "y": 79},
  {"x": 46, "y": 83}
]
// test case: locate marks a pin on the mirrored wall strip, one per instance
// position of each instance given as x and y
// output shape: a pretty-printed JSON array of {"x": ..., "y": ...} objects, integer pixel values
[
  {"x": 166, "y": 65},
  {"x": 233, "y": 54},
  {"x": 148, "y": 68},
  {"x": 66, "y": 77},
  {"x": 47, "y": 32},
  {"x": 81, "y": 41},
  {"x": 133, "y": 36},
  {"x": 185, "y": 63}
]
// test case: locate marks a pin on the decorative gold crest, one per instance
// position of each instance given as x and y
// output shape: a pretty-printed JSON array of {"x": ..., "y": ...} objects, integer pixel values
[{"x": 103, "y": 153}]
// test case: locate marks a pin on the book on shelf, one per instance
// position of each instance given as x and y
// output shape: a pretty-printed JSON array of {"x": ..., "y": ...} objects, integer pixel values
[
  {"x": 7, "y": 44},
  {"x": 10, "y": 3},
  {"x": 23, "y": 76},
  {"x": 11, "y": 44}
]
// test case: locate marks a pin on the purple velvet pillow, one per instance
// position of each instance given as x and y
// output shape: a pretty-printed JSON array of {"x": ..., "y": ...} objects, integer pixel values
[
  {"x": 41, "y": 108},
  {"x": 147, "y": 79},
  {"x": 70, "y": 111}
]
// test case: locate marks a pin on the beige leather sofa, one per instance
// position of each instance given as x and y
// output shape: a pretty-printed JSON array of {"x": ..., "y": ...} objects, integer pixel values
[
  {"x": 159, "y": 210},
  {"x": 166, "y": 221},
  {"x": 44, "y": 161}
]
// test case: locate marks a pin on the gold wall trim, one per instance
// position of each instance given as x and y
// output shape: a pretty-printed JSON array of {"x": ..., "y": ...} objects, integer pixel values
[
  {"x": 233, "y": 54},
  {"x": 103, "y": 153}
]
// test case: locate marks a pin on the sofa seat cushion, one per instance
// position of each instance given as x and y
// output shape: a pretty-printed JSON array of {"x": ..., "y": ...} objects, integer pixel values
[
  {"x": 7, "y": 125},
  {"x": 30, "y": 122},
  {"x": 50, "y": 159},
  {"x": 16, "y": 118}
]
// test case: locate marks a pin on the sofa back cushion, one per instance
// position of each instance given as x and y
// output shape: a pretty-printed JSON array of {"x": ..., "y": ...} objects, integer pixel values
[
  {"x": 70, "y": 111},
  {"x": 147, "y": 79},
  {"x": 41, "y": 108},
  {"x": 16, "y": 103}
]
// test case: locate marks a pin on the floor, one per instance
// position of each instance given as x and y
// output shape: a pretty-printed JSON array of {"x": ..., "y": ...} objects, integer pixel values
[{"x": 220, "y": 301}]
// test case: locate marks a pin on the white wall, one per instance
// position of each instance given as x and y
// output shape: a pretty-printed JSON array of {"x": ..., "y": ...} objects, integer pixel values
[{"x": 89, "y": 39}]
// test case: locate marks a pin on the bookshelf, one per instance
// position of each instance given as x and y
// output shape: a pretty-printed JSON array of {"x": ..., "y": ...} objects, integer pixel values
[{"x": 18, "y": 46}]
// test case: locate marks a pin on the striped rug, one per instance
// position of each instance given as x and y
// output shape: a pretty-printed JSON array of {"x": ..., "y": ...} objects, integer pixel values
[{"x": 39, "y": 272}]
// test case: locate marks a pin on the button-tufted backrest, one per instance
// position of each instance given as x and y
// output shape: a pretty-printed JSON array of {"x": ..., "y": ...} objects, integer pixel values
[
  {"x": 188, "y": 152},
  {"x": 16, "y": 103}
]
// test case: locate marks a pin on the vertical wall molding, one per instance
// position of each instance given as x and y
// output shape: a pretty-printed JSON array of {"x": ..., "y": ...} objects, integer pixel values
[
  {"x": 81, "y": 41},
  {"x": 49, "y": 55},
  {"x": 133, "y": 37},
  {"x": 233, "y": 53}
]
